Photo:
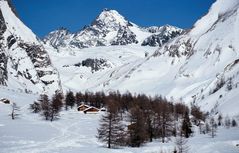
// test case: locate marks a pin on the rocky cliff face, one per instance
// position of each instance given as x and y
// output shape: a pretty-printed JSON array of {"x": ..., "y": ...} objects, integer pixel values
[
  {"x": 124, "y": 37},
  {"x": 24, "y": 62},
  {"x": 162, "y": 36},
  {"x": 3, "y": 59}
]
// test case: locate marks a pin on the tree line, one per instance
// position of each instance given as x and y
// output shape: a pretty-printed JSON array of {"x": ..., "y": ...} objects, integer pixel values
[{"x": 133, "y": 119}]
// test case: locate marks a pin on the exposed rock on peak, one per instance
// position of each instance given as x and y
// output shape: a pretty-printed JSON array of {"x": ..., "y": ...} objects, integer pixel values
[
  {"x": 111, "y": 28},
  {"x": 161, "y": 35}
]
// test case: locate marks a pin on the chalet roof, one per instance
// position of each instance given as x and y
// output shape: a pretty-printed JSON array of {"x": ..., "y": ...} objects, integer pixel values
[
  {"x": 91, "y": 108},
  {"x": 84, "y": 105}
]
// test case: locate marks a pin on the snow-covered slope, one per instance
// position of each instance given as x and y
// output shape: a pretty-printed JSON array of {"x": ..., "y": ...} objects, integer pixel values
[
  {"x": 24, "y": 62},
  {"x": 110, "y": 28},
  {"x": 200, "y": 66},
  {"x": 89, "y": 68}
]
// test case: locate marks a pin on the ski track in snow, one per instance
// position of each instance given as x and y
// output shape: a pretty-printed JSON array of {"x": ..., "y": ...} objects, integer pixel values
[{"x": 69, "y": 135}]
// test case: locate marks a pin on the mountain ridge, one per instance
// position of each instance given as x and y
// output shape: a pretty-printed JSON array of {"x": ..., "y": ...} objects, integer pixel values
[{"x": 111, "y": 28}]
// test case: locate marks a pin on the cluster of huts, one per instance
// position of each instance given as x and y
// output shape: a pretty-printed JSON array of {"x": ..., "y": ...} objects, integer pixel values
[{"x": 89, "y": 109}]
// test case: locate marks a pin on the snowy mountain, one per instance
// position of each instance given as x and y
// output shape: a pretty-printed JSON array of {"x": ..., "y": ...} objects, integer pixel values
[
  {"x": 110, "y": 28},
  {"x": 199, "y": 66},
  {"x": 24, "y": 62}
]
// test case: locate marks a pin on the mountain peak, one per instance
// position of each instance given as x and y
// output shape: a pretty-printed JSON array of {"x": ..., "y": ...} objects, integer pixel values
[
  {"x": 110, "y": 28},
  {"x": 106, "y": 9},
  {"x": 62, "y": 29},
  {"x": 109, "y": 17}
]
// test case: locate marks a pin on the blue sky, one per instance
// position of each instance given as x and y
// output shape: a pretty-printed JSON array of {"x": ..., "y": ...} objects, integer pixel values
[{"x": 43, "y": 16}]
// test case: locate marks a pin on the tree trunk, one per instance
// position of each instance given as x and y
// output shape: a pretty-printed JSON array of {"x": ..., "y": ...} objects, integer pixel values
[
  {"x": 13, "y": 115},
  {"x": 109, "y": 139}
]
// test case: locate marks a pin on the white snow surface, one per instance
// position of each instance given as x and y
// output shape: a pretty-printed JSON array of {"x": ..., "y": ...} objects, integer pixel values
[
  {"x": 112, "y": 18},
  {"x": 76, "y": 132},
  {"x": 81, "y": 78}
]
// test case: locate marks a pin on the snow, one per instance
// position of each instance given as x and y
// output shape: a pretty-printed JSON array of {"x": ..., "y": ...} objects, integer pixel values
[
  {"x": 213, "y": 45},
  {"x": 76, "y": 132},
  {"x": 219, "y": 8},
  {"x": 140, "y": 34},
  {"x": 15, "y": 25},
  {"x": 103, "y": 31},
  {"x": 111, "y": 35},
  {"x": 22, "y": 68},
  {"x": 112, "y": 17},
  {"x": 190, "y": 77},
  {"x": 81, "y": 78}
]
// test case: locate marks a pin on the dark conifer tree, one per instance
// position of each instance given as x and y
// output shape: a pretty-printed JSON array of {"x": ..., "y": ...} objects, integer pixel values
[
  {"x": 186, "y": 126},
  {"x": 213, "y": 127},
  {"x": 79, "y": 98},
  {"x": 197, "y": 114},
  {"x": 111, "y": 130},
  {"x": 35, "y": 107},
  {"x": 234, "y": 123},
  {"x": 45, "y": 106},
  {"x": 164, "y": 116},
  {"x": 137, "y": 129},
  {"x": 70, "y": 100},
  {"x": 56, "y": 105}
]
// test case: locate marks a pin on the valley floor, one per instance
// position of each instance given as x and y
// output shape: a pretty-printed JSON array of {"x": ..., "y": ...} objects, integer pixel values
[{"x": 75, "y": 132}]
